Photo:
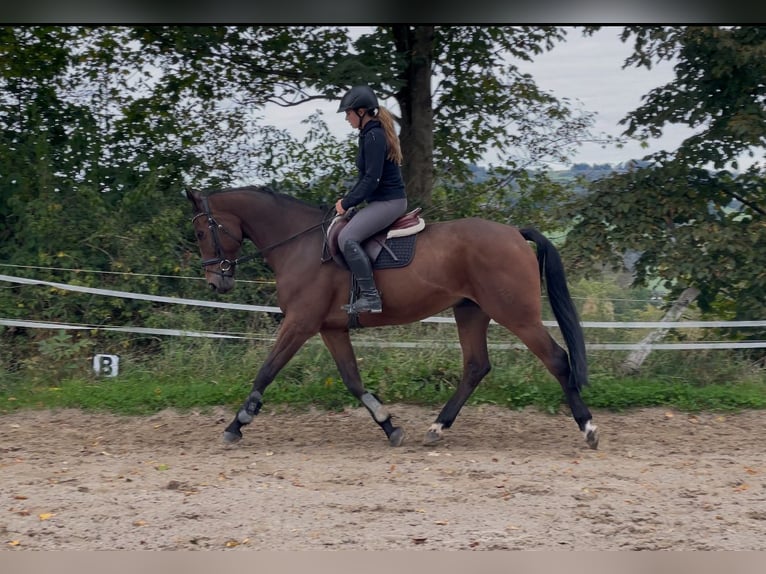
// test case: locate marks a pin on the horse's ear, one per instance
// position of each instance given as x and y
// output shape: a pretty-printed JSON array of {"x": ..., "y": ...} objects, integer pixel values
[{"x": 192, "y": 196}]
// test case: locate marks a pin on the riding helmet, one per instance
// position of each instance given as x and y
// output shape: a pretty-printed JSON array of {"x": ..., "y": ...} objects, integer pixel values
[{"x": 358, "y": 97}]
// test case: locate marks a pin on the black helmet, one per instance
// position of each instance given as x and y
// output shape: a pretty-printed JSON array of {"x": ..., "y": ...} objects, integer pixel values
[{"x": 358, "y": 97}]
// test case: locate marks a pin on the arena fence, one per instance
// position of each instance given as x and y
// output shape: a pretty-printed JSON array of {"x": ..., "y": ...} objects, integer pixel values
[{"x": 696, "y": 345}]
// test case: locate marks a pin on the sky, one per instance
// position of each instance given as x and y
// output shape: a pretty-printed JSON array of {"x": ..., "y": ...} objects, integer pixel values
[
  {"x": 587, "y": 70},
  {"x": 590, "y": 70}
]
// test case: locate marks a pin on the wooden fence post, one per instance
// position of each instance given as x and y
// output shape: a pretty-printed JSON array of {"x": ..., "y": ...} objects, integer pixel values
[{"x": 637, "y": 357}]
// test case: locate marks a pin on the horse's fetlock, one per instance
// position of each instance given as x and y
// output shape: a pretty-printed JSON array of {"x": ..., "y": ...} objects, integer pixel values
[
  {"x": 378, "y": 411},
  {"x": 245, "y": 417},
  {"x": 252, "y": 407},
  {"x": 583, "y": 421},
  {"x": 253, "y": 404}
]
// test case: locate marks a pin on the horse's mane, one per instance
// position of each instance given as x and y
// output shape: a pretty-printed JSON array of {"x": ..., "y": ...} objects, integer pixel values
[{"x": 263, "y": 189}]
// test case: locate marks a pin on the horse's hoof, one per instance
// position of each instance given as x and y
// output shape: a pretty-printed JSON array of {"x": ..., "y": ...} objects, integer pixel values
[
  {"x": 396, "y": 438},
  {"x": 432, "y": 437},
  {"x": 230, "y": 437},
  {"x": 591, "y": 435}
]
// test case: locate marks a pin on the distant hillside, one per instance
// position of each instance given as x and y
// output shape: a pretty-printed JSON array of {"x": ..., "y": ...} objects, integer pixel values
[
  {"x": 585, "y": 170},
  {"x": 596, "y": 171}
]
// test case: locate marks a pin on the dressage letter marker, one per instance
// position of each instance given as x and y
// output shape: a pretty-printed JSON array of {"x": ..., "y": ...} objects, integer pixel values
[{"x": 106, "y": 365}]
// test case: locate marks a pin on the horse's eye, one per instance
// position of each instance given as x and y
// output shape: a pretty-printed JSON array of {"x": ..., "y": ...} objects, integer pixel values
[{"x": 200, "y": 234}]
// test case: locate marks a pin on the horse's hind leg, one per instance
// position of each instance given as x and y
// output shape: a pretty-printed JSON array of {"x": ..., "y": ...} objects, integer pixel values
[
  {"x": 339, "y": 345},
  {"x": 472, "y": 325},
  {"x": 556, "y": 360}
]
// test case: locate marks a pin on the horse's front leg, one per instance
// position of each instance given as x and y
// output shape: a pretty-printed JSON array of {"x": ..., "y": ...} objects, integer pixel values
[
  {"x": 291, "y": 337},
  {"x": 339, "y": 345}
]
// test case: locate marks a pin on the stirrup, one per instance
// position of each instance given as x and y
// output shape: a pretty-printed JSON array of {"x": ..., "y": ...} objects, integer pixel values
[{"x": 365, "y": 304}]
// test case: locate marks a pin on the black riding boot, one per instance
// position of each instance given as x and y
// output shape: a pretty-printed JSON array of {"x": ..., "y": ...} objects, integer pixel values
[{"x": 357, "y": 260}]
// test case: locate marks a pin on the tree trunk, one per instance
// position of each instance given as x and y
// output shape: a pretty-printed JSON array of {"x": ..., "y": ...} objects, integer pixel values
[
  {"x": 636, "y": 358},
  {"x": 415, "y": 45}
]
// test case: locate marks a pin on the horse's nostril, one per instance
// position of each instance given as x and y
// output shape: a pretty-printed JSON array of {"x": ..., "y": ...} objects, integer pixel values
[{"x": 212, "y": 286}]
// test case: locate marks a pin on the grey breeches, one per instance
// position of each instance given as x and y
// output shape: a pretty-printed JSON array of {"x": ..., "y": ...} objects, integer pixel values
[{"x": 370, "y": 219}]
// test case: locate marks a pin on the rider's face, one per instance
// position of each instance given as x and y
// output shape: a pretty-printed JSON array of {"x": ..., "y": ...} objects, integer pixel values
[{"x": 352, "y": 117}]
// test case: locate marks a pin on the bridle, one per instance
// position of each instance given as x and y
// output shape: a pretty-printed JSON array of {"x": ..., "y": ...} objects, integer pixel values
[{"x": 227, "y": 266}]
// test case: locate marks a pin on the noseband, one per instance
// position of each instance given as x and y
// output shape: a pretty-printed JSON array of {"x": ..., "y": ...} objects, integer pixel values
[{"x": 225, "y": 265}]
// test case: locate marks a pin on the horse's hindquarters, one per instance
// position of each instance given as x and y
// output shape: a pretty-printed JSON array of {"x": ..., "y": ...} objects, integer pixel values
[{"x": 483, "y": 261}]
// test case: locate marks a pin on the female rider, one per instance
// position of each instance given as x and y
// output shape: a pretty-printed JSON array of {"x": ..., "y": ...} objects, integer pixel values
[{"x": 380, "y": 186}]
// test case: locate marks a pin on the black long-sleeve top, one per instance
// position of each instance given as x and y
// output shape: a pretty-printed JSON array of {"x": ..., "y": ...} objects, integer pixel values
[{"x": 380, "y": 179}]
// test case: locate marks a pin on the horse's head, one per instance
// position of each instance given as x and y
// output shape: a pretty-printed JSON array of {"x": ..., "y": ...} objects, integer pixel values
[{"x": 219, "y": 237}]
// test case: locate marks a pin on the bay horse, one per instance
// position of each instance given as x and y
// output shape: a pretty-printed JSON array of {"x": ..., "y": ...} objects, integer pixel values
[{"x": 482, "y": 269}]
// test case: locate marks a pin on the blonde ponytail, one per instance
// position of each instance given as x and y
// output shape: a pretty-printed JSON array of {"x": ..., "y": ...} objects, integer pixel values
[{"x": 394, "y": 149}]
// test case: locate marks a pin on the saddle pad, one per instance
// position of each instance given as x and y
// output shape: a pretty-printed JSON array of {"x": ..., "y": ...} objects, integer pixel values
[{"x": 402, "y": 247}]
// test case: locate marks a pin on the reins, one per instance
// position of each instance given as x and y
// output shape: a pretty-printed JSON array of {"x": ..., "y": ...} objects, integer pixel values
[{"x": 229, "y": 264}]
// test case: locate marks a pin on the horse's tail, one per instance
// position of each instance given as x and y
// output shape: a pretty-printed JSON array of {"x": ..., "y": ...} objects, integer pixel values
[{"x": 552, "y": 270}]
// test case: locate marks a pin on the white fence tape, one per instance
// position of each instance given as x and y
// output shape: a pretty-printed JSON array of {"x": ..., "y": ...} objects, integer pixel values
[
  {"x": 435, "y": 319},
  {"x": 376, "y": 343},
  {"x": 129, "y": 295}
]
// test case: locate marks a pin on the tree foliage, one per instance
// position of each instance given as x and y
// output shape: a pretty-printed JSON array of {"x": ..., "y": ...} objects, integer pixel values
[
  {"x": 458, "y": 89},
  {"x": 95, "y": 151},
  {"x": 694, "y": 215}
]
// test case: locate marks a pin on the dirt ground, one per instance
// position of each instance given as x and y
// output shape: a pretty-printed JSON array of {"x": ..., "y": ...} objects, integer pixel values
[{"x": 501, "y": 479}]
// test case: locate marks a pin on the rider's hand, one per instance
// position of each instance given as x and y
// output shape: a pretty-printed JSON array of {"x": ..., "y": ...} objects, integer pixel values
[{"x": 339, "y": 208}]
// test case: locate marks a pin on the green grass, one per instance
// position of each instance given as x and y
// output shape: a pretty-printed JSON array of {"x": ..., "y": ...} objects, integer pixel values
[{"x": 196, "y": 374}]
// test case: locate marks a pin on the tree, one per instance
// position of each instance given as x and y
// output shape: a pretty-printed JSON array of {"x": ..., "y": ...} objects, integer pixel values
[
  {"x": 458, "y": 91},
  {"x": 693, "y": 217}
]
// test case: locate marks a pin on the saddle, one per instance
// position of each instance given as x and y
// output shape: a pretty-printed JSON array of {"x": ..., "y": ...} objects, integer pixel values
[{"x": 391, "y": 247}]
